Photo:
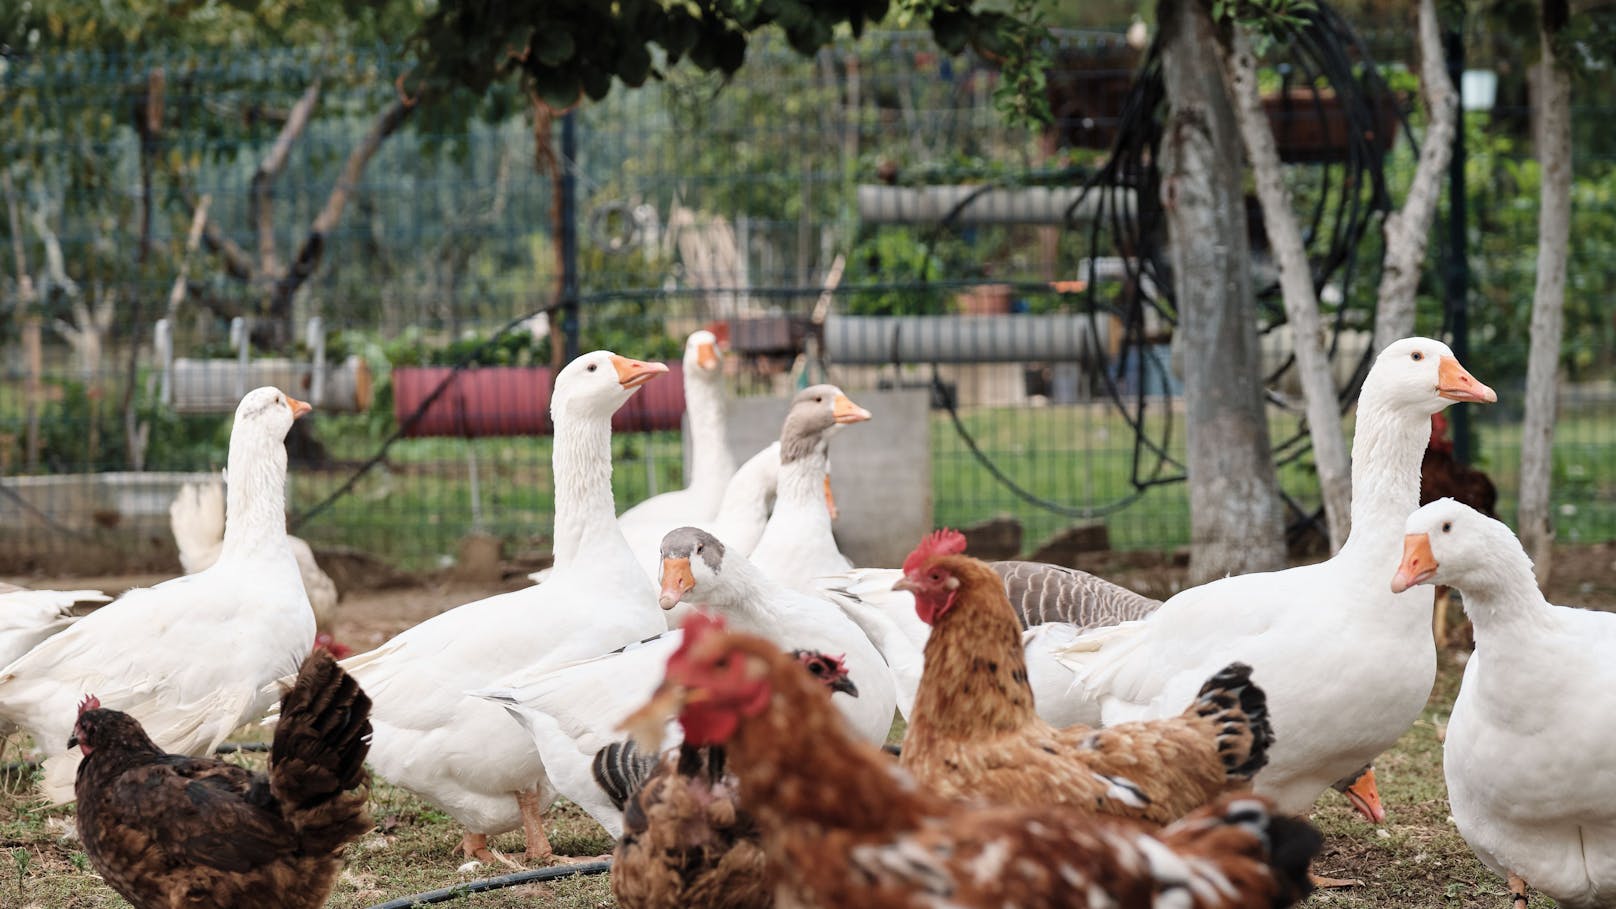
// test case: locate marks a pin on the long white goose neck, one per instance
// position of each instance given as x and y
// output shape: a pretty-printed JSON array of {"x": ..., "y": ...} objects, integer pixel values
[
  {"x": 255, "y": 494},
  {"x": 582, "y": 465},
  {"x": 711, "y": 464},
  {"x": 1387, "y": 447},
  {"x": 1502, "y": 597},
  {"x": 801, "y": 491},
  {"x": 746, "y": 594}
]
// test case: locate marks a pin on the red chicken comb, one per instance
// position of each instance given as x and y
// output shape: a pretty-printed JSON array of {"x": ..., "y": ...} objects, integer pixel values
[
  {"x": 90, "y": 702},
  {"x": 938, "y": 543},
  {"x": 835, "y": 665}
]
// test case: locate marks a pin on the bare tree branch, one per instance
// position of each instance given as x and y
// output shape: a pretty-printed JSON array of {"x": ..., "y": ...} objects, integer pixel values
[
  {"x": 237, "y": 264},
  {"x": 193, "y": 239},
  {"x": 1408, "y": 231},
  {"x": 55, "y": 264},
  {"x": 25, "y": 281},
  {"x": 1295, "y": 282},
  {"x": 1548, "y": 299},
  {"x": 260, "y": 208}
]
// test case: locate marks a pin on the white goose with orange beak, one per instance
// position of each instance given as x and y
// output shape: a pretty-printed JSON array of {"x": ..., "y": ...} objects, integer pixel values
[
  {"x": 1347, "y": 664},
  {"x": 1528, "y": 752},
  {"x": 188, "y": 658},
  {"x": 462, "y": 754}
]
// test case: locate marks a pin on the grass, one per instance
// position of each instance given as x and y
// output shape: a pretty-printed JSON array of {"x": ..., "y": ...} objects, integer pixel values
[
  {"x": 415, "y": 509},
  {"x": 1416, "y": 861}
]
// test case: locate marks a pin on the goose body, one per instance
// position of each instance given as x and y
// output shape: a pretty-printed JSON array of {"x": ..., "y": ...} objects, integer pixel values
[
  {"x": 1527, "y": 754},
  {"x": 575, "y": 711},
  {"x": 190, "y": 657},
  {"x": 1347, "y": 664},
  {"x": 463, "y": 754}
]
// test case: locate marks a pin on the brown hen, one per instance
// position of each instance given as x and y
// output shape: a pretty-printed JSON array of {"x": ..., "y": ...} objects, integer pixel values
[
  {"x": 166, "y": 830},
  {"x": 842, "y": 826},
  {"x": 974, "y": 733},
  {"x": 687, "y": 840}
]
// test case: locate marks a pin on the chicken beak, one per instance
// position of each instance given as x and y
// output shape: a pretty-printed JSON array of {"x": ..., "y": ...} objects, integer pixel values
[
  {"x": 905, "y": 584},
  {"x": 830, "y": 499},
  {"x": 676, "y": 582},
  {"x": 1456, "y": 383},
  {"x": 845, "y": 411},
  {"x": 1418, "y": 565},
  {"x": 1366, "y": 798},
  {"x": 73, "y": 741},
  {"x": 845, "y": 685},
  {"x": 631, "y": 374},
  {"x": 707, "y": 356},
  {"x": 645, "y": 724},
  {"x": 299, "y": 408}
]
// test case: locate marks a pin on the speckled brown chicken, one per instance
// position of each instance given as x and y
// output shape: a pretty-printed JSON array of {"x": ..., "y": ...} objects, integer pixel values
[
  {"x": 687, "y": 840},
  {"x": 166, "y": 830},
  {"x": 974, "y": 732},
  {"x": 842, "y": 826}
]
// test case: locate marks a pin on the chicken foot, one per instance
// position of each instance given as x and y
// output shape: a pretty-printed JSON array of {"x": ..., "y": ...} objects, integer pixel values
[{"x": 475, "y": 846}]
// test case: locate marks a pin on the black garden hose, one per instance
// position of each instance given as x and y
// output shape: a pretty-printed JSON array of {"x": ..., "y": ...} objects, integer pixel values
[{"x": 555, "y": 872}]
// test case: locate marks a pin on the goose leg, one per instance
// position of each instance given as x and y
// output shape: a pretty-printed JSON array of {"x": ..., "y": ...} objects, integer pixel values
[
  {"x": 475, "y": 846},
  {"x": 538, "y": 843},
  {"x": 1517, "y": 890}
]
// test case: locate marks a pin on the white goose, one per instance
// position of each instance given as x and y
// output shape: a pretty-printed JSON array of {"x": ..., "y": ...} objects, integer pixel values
[
  {"x": 575, "y": 711},
  {"x": 465, "y": 755},
  {"x": 1347, "y": 664},
  {"x": 1527, "y": 756},
  {"x": 30, "y": 616},
  {"x": 189, "y": 657},
  {"x": 798, "y": 544},
  {"x": 711, "y": 464}
]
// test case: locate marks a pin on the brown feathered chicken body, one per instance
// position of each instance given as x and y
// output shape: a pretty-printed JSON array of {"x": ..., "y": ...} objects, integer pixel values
[
  {"x": 167, "y": 830},
  {"x": 974, "y": 732},
  {"x": 687, "y": 838},
  {"x": 842, "y": 825}
]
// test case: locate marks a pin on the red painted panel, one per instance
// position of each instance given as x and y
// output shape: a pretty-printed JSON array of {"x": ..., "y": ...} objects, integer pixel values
[{"x": 515, "y": 401}]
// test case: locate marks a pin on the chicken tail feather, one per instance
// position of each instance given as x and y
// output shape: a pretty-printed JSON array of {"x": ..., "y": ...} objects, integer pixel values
[
  {"x": 317, "y": 760},
  {"x": 620, "y": 770},
  {"x": 1238, "y": 710},
  {"x": 1249, "y": 847}
]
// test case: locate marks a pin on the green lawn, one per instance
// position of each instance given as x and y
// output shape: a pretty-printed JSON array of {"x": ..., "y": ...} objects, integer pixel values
[{"x": 414, "y": 509}]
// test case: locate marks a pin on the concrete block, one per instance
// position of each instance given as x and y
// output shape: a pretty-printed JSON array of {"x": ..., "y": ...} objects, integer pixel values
[{"x": 880, "y": 470}]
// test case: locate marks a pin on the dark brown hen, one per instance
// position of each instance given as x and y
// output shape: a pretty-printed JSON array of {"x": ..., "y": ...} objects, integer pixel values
[{"x": 167, "y": 830}]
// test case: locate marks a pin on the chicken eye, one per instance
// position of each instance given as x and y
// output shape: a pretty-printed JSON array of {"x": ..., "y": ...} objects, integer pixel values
[
  {"x": 1447, "y": 526},
  {"x": 722, "y": 662},
  {"x": 1416, "y": 356}
]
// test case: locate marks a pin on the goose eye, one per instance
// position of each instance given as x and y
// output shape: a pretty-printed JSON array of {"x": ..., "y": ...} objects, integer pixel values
[
  {"x": 592, "y": 366},
  {"x": 699, "y": 548},
  {"x": 1416, "y": 356},
  {"x": 1447, "y": 526}
]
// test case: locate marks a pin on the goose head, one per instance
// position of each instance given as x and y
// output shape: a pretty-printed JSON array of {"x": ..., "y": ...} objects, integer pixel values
[
  {"x": 1448, "y": 542},
  {"x": 1422, "y": 374},
  {"x": 702, "y": 359},
  {"x": 816, "y": 412},
  {"x": 597, "y": 383},
  {"x": 266, "y": 414},
  {"x": 692, "y": 559}
]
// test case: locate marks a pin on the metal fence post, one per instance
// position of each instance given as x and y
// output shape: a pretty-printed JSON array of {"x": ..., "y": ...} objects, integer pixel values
[
  {"x": 1457, "y": 299},
  {"x": 569, "y": 232}
]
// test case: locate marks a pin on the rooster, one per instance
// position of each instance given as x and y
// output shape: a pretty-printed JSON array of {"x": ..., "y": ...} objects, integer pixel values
[
  {"x": 841, "y": 826},
  {"x": 1444, "y": 476},
  {"x": 687, "y": 841},
  {"x": 974, "y": 732},
  {"x": 166, "y": 830}
]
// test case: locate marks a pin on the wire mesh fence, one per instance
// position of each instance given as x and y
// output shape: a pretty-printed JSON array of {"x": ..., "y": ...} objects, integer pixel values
[{"x": 863, "y": 217}]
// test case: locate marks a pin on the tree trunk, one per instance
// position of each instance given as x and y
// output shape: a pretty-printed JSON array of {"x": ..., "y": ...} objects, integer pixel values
[
  {"x": 1408, "y": 231},
  {"x": 1548, "y": 305},
  {"x": 1295, "y": 283},
  {"x": 1235, "y": 521}
]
